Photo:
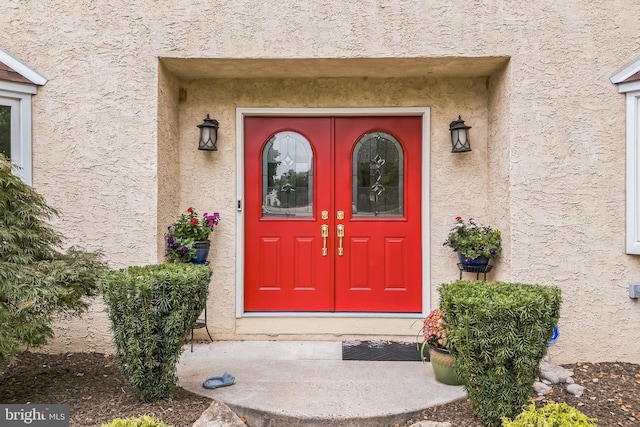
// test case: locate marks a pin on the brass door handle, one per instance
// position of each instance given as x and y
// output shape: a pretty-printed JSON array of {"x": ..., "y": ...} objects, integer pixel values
[
  {"x": 340, "y": 237},
  {"x": 324, "y": 232}
]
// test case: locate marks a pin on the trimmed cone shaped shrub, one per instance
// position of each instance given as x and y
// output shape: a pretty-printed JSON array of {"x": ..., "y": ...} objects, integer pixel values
[
  {"x": 498, "y": 335},
  {"x": 152, "y": 309}
]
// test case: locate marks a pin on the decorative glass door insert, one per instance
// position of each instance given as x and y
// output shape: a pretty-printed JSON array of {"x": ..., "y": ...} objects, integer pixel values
[
  {"x": 287, "y": 176},
  {"x": 378, "y": 174}
]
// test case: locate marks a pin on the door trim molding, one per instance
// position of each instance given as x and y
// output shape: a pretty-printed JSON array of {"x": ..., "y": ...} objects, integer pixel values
[{"x": 241, "y": 113}]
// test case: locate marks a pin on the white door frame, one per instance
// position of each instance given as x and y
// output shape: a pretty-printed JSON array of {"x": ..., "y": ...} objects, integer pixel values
[{"x": 241, "y": 113}]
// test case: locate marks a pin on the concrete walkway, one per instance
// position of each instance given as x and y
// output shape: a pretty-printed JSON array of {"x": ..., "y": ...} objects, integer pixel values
[{"x": 282, "y": 384}]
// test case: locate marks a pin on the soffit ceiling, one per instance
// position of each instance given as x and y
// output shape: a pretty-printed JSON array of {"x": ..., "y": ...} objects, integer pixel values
[{"x": 216, "y": 68}]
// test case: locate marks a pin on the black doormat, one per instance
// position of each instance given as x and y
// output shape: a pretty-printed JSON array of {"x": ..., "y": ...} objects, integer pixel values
[{"x": 381, "y": 350}]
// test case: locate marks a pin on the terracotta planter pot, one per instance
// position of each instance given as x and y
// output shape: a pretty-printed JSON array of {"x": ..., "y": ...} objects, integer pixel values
[{"x": 443, "y": 362}]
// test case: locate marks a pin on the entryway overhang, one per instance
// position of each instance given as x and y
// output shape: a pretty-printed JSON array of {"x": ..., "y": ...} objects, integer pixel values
[{"x": 250, "y": 68}]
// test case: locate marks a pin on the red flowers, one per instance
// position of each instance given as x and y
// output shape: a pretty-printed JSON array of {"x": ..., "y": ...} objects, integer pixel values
[
  {"x": 188, "y": 229},
  {"x": 194, "y": 220},
  {"x": 458, "y": 218}
]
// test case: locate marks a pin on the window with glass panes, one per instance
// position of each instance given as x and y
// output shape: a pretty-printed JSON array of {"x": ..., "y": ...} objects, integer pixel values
[{"x": 5, "y": 130}]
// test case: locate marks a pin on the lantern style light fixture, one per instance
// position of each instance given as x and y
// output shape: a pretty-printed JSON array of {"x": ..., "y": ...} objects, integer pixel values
[
  {"x": 208, "y": 134},
  {"x": 459, "y": 136}
]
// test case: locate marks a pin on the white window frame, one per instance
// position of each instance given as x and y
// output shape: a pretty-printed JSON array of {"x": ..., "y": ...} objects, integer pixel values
[
  {"x": 633, "y": 173},
  {"x": 20, "y": 104},
  {"x": 18, "y": 97},
  {"x": 632, "y": 91}
]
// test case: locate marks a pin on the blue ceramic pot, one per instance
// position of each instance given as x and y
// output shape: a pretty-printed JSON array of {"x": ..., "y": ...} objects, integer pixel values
[
  {"x": 481, "y": 261},
  {"x": 202, "y": 251}
]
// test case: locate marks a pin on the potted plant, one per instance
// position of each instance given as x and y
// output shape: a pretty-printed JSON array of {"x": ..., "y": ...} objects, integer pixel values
[
  {"x": 435, "y": 332},
  {"x": 187, "y": 239},
  {"x": 474, "y": 243}
]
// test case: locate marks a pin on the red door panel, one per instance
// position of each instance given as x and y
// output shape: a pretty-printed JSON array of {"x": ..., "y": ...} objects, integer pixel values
[
  {"x": 284, "y": 266},
  {"x": 380, "y": 266},
  {"x": 395, "y": 268},
  {"x": 303, "y": 275},
  {"x": 387, "y": 247},
  {"x": 360, "y": 259},
  {"x": 270, "y": 251}
]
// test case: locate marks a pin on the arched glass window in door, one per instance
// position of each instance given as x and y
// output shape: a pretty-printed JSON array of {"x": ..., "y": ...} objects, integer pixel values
[
  {"x": 287, "y": 176},
  {"x": 378, "y": 176}
]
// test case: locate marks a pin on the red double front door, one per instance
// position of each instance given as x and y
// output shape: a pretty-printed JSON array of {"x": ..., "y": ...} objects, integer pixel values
[{"x": 333, "y": 214}]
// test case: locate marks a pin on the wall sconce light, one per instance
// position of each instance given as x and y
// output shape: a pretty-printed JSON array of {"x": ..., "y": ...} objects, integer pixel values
[
  {"x": 208, "y": 134},
  {"x": 459, "y": 136}
]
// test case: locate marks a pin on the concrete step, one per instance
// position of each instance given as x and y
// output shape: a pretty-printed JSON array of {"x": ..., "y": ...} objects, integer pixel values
[{"x": 295, "y": 383}]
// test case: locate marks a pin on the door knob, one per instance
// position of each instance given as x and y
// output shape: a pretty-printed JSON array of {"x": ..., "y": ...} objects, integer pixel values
[
  {"x": 324, "y": 232},
  {"x": 340, "y": 237}
]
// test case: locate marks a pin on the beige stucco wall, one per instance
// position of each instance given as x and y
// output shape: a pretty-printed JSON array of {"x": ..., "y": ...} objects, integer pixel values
[{"x": 114, "y": 132}]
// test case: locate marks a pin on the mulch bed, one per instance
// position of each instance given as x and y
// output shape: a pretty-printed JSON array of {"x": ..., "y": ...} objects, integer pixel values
[
  {"x": 612, "y": 395},
  {"x": 93, "y": 387},
  {"x": 97, "y": 392}
]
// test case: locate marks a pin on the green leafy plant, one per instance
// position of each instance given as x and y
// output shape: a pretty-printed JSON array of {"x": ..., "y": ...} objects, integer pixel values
[
  {"x": 143, "y": 421},
  {"x": 37, "y": 279},
  {"x": 472, "y": 240},
  {"x": 550, "y": 415},
  {"x": 186, "y": 231},
  {"x": 498, "y": 334},
  {"x": 152, "y": 309}
]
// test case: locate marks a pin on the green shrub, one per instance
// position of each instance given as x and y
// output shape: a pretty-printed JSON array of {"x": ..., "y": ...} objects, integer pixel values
[
  {"x": 37, "y": 280},
  {"x": 498, "y": 335},
  {"x": 152, "y": 309},
  {"x": 144, "y": 421},
  {"x": 551, "y": 415}
]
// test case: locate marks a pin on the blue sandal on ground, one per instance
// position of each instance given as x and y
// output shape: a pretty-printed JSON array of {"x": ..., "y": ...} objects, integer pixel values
[{"x": 220, "y": 381}]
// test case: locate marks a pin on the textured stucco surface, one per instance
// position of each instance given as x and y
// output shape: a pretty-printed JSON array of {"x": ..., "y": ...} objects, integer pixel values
[{"x": 114, "y": 136}]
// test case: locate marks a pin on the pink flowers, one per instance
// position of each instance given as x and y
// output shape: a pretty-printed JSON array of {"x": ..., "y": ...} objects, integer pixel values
[{"x": 434, "y": 329}]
